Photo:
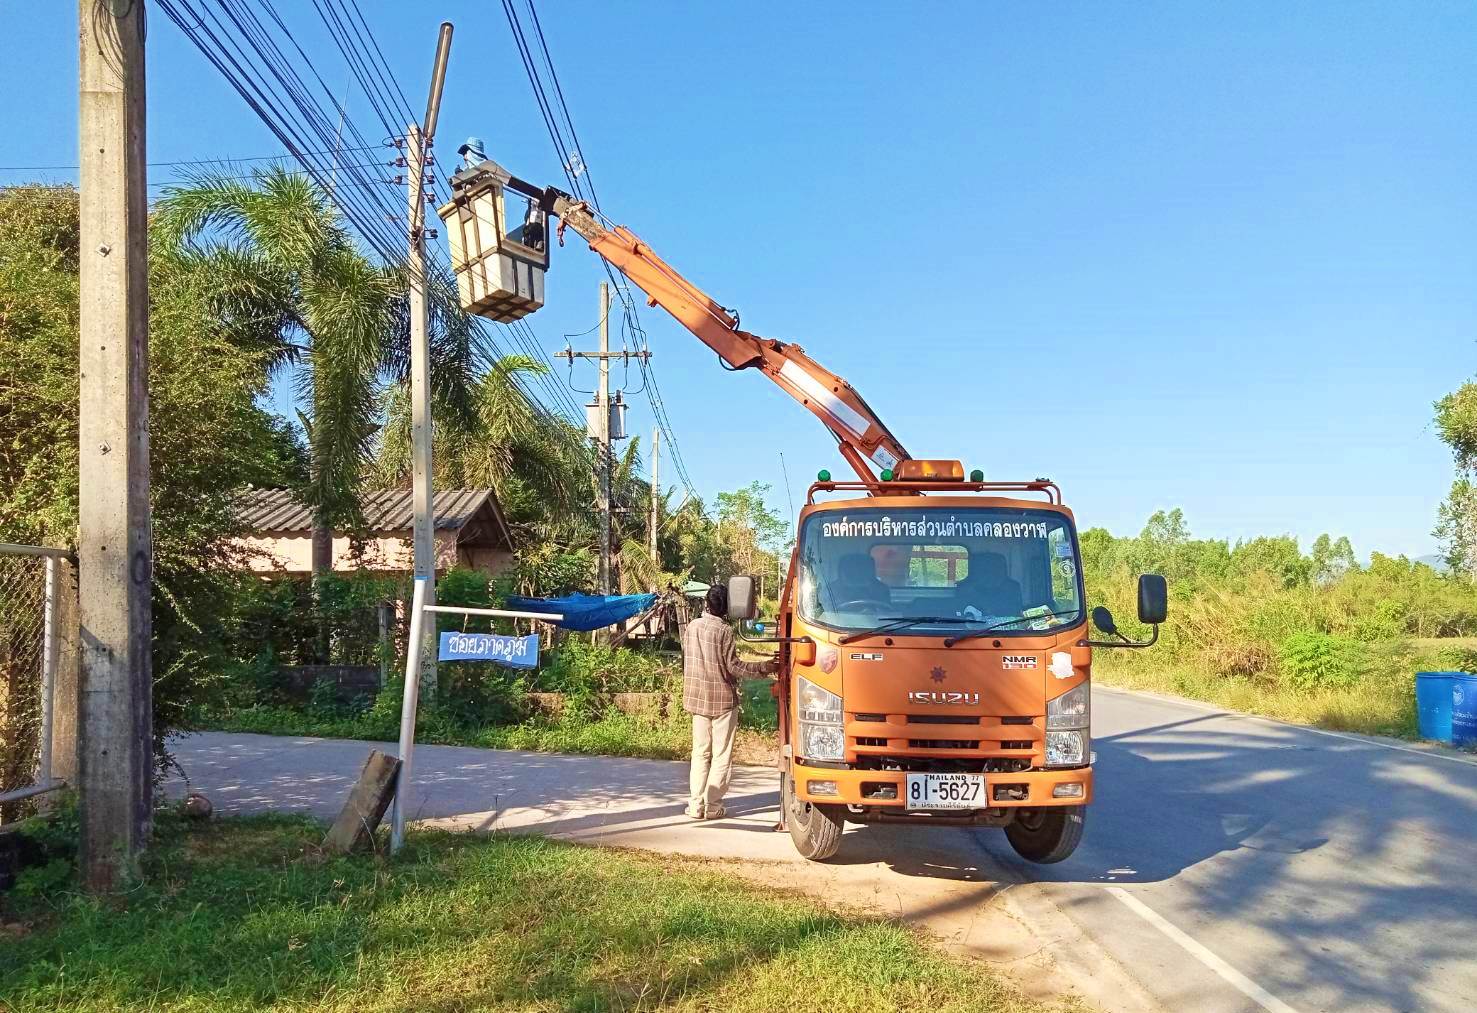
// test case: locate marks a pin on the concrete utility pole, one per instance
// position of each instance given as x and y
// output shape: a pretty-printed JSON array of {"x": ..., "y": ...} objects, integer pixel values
[
  {"x": 653, "y": 525},
  {"x": 418, "y": 141},
  {"x": 603, "y": 400},
  {"x": 424, "y": 521},
  {"x": 115, "y": 553},
  {"x": 599, "y": 429}
]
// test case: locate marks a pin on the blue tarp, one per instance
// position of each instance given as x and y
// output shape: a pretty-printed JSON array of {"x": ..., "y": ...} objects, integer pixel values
[{"x": 587, "y": 611}]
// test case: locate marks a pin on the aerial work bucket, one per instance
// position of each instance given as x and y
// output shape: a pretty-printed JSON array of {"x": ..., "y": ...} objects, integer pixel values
[{"x": 499, "y": 270}]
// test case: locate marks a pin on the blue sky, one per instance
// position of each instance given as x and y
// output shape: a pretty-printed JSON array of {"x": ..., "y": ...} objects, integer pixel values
[{"x": 1211, "y": 256}]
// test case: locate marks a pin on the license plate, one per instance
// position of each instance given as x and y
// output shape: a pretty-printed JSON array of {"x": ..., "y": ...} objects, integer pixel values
[{"x": 946, "y": 791}]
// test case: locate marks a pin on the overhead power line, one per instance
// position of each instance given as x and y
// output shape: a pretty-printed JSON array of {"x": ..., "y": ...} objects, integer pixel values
[
  {"x": 224, "y": 160},
  {"x": 253, "y": 47},
  {"x": 577, "y": 172}
]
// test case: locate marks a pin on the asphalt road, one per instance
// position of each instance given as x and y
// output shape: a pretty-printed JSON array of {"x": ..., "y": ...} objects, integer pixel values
[{"x": 1230, "y": 863}]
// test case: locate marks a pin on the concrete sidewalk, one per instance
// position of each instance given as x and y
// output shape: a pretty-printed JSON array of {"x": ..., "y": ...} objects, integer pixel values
[{"x": 594, "y": 799}]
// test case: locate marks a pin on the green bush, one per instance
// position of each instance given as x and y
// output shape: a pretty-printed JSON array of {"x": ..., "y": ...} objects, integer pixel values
[
  {"x": 480, "y": 693},
  {"x": 1319, "y": 661},
  {"x": 577, "y": 667},
  {"x": 1456, "y": 659}
]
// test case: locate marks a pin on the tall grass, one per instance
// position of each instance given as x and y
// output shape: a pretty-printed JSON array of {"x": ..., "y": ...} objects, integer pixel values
[{"x": 1262, "y": 627}]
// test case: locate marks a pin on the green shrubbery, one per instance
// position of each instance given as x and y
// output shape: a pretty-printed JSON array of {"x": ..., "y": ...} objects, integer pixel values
[
  {"x": 1318, "y": 660},
  {"x": 1263, "y": 626},
  {"x": 281, "y": 622}
]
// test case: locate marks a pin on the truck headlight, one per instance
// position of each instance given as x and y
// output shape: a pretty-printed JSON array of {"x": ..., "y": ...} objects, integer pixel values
[
  {"x": 821, "y": 734},
  {"x": 1066, "y": 748},
  {"x": 817, "y": 703},
  {"x": 822, "y": 742},
  {"x": 1073, "y": 709}
]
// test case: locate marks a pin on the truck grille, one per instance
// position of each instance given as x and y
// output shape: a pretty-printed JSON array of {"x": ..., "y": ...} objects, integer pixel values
[{"x": 990, "y": 736}]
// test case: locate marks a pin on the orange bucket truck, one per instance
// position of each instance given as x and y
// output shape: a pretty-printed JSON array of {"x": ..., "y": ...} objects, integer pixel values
[{"x": 936, "y": 658}]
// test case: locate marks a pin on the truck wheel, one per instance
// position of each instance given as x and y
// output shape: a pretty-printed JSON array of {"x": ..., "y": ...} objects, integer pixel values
[
  {"x": 1045, "y": 836},
  {"x": 815, "y": 829}
]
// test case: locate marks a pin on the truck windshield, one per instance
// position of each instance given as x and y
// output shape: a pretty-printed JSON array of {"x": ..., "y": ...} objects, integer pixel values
[{"x": 951, "y": 569}]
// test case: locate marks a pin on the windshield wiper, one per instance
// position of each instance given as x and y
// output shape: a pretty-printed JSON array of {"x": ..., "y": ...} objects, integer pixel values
[
  {"x": 902, "y": 622},
  {"x": 951, "y": 641}
]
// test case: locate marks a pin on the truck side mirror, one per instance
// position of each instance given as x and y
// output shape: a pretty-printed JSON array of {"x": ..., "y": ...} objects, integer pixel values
[
  {"x": 1153, "y": 599},
  {"x": 743, "y": 601},
  {"x": 1103, "y": 620}
]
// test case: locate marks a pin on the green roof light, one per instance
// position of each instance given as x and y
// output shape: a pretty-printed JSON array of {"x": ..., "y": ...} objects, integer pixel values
[
  {"x": 976, "y": 475},
  {"x": 823, "y": 475},
  {"x": 887, "y": 474}
]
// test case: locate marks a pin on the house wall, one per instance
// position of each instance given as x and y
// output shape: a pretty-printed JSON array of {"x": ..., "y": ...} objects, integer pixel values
[{"x": 393, "y": 551}]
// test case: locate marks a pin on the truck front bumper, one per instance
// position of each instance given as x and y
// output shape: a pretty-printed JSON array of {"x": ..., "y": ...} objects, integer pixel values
[{"x": 886, "y": 788}]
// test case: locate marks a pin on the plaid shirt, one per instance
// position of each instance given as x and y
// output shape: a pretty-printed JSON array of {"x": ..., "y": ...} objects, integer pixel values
[{"x": 711, "y": 668}]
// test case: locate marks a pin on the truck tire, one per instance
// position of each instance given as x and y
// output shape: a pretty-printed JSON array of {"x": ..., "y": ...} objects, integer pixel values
[
  {"x": 815, "y": 829},
  {"x": 1045, "y": 836}
]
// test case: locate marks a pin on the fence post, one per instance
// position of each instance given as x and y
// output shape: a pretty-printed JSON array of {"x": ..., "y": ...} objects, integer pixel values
[
  {"x": 49, "y": 654},
  {"x": 66, "y": 673}
]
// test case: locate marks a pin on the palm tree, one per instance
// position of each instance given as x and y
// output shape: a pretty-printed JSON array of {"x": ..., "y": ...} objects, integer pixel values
[
  {"x": 538, "y": 465},
  {"x": 292, "y": 280}
]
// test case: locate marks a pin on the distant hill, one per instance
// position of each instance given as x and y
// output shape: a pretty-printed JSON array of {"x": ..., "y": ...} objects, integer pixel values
[{"x": 1435, "y": 562}]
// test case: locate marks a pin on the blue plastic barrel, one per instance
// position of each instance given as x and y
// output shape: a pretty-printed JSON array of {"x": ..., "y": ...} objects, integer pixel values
[
  {"x": 1464, "y": 710},
  {"x": 1433, "y": 696}
]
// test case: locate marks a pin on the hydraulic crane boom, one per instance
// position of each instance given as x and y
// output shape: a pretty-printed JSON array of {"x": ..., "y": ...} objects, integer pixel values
[
  {"x": 863, "y": 439},
  {"x": 860, "y": 434}
]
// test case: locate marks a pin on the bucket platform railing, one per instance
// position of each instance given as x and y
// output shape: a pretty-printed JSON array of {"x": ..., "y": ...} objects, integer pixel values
[{"x": 499, "y": 264}]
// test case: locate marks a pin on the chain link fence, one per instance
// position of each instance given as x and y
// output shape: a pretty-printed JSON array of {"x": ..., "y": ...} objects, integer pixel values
[{"x": 29, "y": 586}]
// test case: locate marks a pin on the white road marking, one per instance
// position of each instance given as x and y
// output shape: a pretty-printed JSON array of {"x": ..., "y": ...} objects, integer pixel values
[
  {"x": 1266, "y": 1000},
  {"x": 1360, "y": 739}
]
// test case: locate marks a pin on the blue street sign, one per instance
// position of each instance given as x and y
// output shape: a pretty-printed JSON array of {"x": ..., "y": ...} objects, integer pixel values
[{"x": 515, "y": 652}]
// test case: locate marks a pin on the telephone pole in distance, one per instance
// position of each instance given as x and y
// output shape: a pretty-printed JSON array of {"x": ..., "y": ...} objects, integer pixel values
[{"x": 604, "y": 425}]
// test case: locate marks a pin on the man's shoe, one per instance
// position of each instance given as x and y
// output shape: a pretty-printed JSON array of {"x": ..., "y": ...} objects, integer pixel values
[
  {"x": 696, "y": 814},
  {"x": 716, "y": 812}
]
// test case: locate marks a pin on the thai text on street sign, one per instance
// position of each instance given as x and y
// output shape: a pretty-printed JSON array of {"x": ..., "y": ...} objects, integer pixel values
[{"x": 516, "y": 652}]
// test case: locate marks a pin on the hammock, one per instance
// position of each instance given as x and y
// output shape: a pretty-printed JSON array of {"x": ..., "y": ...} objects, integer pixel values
[{"x": 587, "y": 611}]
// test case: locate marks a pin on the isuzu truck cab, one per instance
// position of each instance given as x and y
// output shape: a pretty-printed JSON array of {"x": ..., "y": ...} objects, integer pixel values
[{"x": 936, "y": 668}]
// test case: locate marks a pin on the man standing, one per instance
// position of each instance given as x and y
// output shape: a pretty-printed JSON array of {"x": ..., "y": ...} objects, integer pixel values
[{"x": 711, "y": 671}]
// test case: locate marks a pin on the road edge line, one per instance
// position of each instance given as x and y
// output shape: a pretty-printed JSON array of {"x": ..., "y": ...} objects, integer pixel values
[
  {"x": 1366, "y": 740},
  {"x": 1095, "y": 974},
  {"x": 1266, "y": 1000}
]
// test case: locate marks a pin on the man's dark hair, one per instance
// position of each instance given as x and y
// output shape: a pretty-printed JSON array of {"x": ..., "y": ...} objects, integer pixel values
[{"x": 718, "y": 601}]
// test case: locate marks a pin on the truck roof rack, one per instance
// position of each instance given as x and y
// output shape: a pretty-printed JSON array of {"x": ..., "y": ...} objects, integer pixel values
[{"x": 1041, "y": 485}]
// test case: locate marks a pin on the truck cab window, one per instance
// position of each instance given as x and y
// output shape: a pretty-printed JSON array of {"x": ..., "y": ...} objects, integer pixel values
[{"x": 991, "y": 563}]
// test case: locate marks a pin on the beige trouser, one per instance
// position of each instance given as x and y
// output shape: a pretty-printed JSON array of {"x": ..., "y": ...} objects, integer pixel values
[{"x": 712, "y": 760}]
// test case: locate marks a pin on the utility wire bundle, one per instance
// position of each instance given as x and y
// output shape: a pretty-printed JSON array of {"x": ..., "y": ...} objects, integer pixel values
[
  {"x": 577, "y": 171},
  {"x": 255, "y": 49}
]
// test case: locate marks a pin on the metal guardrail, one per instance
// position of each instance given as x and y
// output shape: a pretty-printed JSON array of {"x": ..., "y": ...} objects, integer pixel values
[
  {"x": 12, "y": 549},
  {"x": 21, "y": 794}
]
